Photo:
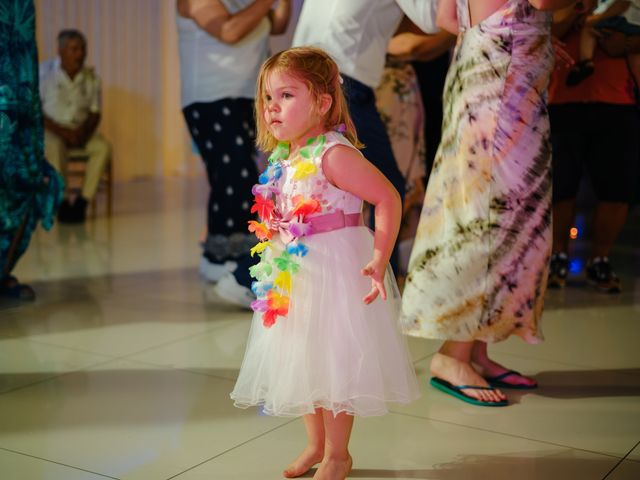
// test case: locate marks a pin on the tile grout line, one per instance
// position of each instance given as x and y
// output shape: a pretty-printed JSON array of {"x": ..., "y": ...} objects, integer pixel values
[
  {"x": 620, "y": 462},
  {"x": 53, "y": 376},
  {"x": 57, "y": 463},
  {"x": 507, "y": 434},
  {"x": 233, "y": 448}
]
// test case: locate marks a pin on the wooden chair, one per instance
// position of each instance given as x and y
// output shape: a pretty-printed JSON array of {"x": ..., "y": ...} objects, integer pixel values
[{"x": 75, "y": 170}]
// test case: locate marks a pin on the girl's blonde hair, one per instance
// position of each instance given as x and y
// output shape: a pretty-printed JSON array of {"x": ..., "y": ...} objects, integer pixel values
[{"x": 317, "y": 70}]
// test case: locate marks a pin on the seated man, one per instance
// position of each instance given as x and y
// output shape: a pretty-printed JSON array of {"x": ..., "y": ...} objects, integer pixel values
[{"x": 71, "y": 106}]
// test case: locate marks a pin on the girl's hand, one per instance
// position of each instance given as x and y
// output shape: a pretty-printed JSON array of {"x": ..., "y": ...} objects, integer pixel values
[{"x": 376, "y": 271}]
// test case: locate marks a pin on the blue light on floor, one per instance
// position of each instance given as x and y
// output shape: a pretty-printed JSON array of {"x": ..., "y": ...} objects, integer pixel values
[{"x": 576, "y": 265}]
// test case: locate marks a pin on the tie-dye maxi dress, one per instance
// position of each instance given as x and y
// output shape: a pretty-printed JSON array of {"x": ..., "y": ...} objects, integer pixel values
[{"x": 478, "y": 268}]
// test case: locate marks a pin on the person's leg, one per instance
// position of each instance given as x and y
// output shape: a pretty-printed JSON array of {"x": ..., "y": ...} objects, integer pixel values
[
  {"x": 372, "y": 132},
  {"x": 587, "y": 44},
  {"x": 99, "y": 151},
  {"x": 9, "y": 285},
  {"x": 452, "y": 363},
  {"x": 567, "y": 140},
  {"x": 314, "y": 451},
  {"x": 564, "y": 212},
  {"x": 55, "y": 151},
  {"x": 613, "y": 163},
  {"x": 584, "y": 67},
  {"x": 225, "y": 135},
  {"x": 609, "y": 219},
  {"x": 337, "y": 461},
  {"x": 634, "y": 66},
  {"x": 488, "y": 368}
]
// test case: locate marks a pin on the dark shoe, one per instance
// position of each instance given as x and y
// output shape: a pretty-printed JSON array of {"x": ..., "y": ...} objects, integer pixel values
[
  {"x": 558, "y": 270},
  {"x": 11, "y": 289},
  {"x": 65, "y": 212},
  {"x": 79, "y": 210},
  {"x": 457, "y": 391},
  {"x": 601, "y": 276},
  {"x": 579, "y": 72}
]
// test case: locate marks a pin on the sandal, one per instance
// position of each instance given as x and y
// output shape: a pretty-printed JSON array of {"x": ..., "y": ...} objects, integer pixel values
[
  {"x": 499, "y": 381},
  {"x": 457, "y": 391}
]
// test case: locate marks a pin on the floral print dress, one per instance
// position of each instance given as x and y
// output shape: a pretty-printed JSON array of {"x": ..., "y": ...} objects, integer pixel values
[{"x": 313, "y": 342}]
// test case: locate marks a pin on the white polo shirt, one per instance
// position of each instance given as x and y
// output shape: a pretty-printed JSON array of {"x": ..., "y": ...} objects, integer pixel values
[
  {"x": 65, "y": 101},
  {"x": 210, "y": 69},
  {"x": 356, "y": 32}
]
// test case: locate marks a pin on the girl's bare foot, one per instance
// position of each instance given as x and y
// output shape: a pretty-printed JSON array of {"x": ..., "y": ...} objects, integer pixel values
[
  {"x": 459, "y": 373},
  {"x": 334, "y": 468},
  {"x": 309, "y": 457}
]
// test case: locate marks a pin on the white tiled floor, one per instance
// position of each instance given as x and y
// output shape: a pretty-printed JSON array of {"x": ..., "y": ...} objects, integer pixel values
[{"x": 123, "y": 366}]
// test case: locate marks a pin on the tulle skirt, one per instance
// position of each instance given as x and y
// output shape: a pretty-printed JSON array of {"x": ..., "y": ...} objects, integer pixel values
[{"x": 332, "y": 351}]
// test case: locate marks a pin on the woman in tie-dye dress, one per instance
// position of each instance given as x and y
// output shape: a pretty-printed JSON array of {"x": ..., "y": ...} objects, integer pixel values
[{"x": 478, "y": 268}]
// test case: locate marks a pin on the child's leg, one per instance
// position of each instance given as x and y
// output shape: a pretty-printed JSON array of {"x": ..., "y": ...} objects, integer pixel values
[
  {"x": 584, "y": 67},
  {"x": 587, "y": 44},
  {"x": 314, "y": 451},
  {"x": 337, "y": 461},
  {"x": 634, "y": 66}
]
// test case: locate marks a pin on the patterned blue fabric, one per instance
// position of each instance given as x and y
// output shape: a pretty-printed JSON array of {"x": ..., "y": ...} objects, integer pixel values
[{"x": 30, "y": 189}]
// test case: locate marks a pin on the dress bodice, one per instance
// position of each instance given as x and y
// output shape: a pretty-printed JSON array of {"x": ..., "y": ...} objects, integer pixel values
[
  {"x": 514, "y": 14},
  {"x": 303, "y": 177}
]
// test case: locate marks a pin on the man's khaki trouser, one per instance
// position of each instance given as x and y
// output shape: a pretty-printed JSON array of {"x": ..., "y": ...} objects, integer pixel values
[{"x": 98, "y": 149}]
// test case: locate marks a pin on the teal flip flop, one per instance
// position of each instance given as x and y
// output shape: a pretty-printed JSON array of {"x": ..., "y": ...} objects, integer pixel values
[
  {"x": 498, "y": 381},
  {"x": 457, "y": 391}
]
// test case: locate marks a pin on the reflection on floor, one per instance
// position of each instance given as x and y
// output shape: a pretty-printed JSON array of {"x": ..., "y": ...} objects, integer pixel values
[{"x": 123, "y": 366}]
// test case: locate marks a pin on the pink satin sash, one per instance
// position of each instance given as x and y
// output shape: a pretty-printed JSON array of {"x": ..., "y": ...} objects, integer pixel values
[{"x": 334, "y": 221}]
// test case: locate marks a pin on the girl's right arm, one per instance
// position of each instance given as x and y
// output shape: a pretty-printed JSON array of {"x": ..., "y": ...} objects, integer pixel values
[
  {"x": 212, "y": 17},
  {"x": 348, "y": 170}
]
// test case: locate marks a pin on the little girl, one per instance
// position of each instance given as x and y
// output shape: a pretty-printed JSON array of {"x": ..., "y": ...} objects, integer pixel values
[{"x": 320, "y": 345}]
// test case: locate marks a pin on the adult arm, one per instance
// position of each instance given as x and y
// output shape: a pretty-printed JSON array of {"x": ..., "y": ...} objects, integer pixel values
[
  {"x": 421, "y": 12},
  {"x": 213, "y": 17},
  {"x": 280, "y": 16},
  {"x": 564, "y": 19},
  {"x": 411, "y": 46},
  {"x": 348, "y": 170},
  {"x": 615, "y": 9},
  {"x": 86, "y": 130},
  {"x": 447, "y": 16},
  {"x": 69, "y": 135}
]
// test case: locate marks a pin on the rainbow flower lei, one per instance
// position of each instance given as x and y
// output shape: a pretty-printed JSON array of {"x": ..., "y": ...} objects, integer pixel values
[{"x": 273, "y": 274}]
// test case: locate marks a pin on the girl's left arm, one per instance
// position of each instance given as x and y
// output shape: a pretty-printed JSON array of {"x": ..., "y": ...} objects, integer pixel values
[{"x": 348, "y": 170}]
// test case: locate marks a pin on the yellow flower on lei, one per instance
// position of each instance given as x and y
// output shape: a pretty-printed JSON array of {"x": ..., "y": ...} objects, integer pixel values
[
  {"x": 283, "y": 281},
  {"x": 259, "y": 247},
  {"x": 304, "y": 169}
]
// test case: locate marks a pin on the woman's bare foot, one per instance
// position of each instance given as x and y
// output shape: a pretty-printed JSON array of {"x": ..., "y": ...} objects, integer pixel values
[
  {"x": 309, "y": 457},
  {"x": 459, "y": 373},
  {"x": 334, "y": 468}
]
